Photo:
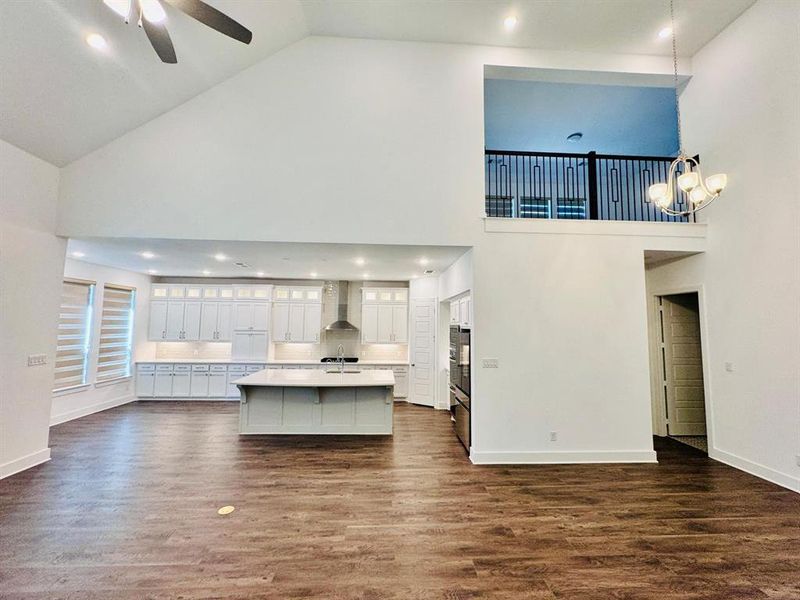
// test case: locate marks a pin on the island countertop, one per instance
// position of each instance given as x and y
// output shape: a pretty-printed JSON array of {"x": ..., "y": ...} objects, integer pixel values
[{"x": 317, "y": 378}]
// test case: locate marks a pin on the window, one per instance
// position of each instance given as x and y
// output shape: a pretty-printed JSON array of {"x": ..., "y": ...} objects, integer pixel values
[
  {"x": 499, "y": 206},
  {"x": 571, "y": 208},
  {"x": 74, "y": 334},
  {"x": 116, "y": 330},
  {"x": 532, "y": 207}
]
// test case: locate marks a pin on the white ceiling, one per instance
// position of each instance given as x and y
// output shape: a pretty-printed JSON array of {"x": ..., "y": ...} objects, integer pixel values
[
  {"x": 61, "y": 99},
  {"x": 626, "y": 26},
  {"x": 280, "y": 260}
]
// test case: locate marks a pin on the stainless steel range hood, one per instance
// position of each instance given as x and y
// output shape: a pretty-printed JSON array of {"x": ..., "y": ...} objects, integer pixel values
[{"x": 341, "y": 323}]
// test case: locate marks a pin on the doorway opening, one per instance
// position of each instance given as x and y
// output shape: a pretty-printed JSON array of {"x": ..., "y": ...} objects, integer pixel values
[{"x": 681, "y": 377}]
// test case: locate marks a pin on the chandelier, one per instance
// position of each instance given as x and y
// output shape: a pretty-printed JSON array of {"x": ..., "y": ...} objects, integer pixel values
[{"x": 701, "y": 192}]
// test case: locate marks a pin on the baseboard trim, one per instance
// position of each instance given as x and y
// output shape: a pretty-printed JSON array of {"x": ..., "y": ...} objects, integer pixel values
[
  {"x": 782, "y": 479},
  {"x": 561, "y": 458},
  {"x": 89, "y": 410},
  {"x": 26, "y": 462}
]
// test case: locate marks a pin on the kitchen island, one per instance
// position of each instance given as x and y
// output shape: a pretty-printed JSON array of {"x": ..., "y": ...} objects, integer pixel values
[{"x": 352, "y": 402}]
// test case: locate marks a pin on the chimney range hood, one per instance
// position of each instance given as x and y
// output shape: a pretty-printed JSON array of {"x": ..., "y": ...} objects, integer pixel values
[{"x": 341, "y": 323}]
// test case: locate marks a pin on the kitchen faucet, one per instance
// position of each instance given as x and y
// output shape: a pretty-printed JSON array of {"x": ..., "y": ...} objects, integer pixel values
[{"x": 340, "y": 358}]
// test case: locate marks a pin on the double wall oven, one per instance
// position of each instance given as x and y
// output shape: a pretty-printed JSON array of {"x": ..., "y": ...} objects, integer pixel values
[{"x": 460, "y": 382}]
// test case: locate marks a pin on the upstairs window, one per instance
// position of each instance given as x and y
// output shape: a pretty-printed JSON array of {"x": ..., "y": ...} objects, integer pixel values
[
  {"x": 74, "y": 334},
  {"x": 116, "y": 332}
]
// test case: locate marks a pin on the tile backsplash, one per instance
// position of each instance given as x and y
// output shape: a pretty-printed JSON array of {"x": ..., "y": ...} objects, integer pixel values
[{"x": 191, "y": 350}]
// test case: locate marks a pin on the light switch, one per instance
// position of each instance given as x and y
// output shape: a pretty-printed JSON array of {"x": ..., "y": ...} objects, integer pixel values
[{"x": 490, "y": 363}]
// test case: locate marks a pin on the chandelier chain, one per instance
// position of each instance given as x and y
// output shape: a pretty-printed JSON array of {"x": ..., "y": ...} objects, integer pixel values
[{"x": 675, "y": 75}]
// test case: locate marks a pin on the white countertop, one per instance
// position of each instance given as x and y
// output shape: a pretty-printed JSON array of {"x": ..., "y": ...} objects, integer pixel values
[
  {"x": 317, "y": 378},
  {"x": 228, "y": 361}
]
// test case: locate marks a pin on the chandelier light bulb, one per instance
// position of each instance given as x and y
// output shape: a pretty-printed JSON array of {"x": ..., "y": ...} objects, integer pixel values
[
  {"x": 664, "y": 201},
  {"x": 688, "y": 181},
  {"x": 153, "y": 11},
  {"x": 657, "y": 191},
  {"x": 697, "y": 195},
  {"x": 716, "y": 183}
]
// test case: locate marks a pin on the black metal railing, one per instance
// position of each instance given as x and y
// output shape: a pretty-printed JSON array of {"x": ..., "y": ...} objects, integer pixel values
[{"x": 557, "y": 185}]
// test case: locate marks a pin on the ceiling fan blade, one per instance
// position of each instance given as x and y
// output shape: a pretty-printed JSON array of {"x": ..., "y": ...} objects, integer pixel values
[
  {"x": 159, "y": 38},
  {"x": 210, "y": 16}
]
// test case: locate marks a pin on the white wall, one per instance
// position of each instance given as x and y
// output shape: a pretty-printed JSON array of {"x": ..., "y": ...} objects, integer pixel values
[
  {"x": 743, "y": 117},
  {"x": 31, "y": 264},
  {"x": 97, "y": 397}
]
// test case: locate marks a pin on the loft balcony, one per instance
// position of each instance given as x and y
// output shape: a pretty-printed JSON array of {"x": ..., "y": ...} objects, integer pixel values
[{"x": 557, "y": 185}]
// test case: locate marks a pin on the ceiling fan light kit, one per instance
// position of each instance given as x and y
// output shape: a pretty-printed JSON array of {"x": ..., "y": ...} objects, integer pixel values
[
  {"x": 701, "y": 192},
  {"x": 151, "y": 16}
]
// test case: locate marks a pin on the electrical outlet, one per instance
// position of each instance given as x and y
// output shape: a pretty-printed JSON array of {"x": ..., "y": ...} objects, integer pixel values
[
  {"x": 490, "y": 363},
  {"x": 553, "y": 436},
  {"x": 729, "y": 367},
  {"x": 35, "y": 360}
]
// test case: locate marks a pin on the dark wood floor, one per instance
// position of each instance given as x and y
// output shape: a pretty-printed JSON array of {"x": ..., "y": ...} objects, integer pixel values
[{"x": 127, "y": 509}]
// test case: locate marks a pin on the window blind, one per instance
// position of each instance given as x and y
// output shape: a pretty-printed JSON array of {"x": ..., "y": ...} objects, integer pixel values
[
  {"x": 116, "y": 330},
  {"x": 74, "y": 334}
]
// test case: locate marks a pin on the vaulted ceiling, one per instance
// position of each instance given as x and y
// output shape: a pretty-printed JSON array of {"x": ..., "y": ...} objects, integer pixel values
[{"x": 62, "y": 99}]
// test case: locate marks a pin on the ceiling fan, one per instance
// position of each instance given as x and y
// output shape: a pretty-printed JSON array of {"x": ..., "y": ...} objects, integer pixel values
[{"x": 150, "y": 15}]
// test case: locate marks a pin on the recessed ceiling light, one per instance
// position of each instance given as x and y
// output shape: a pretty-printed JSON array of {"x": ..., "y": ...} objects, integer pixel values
[
  {"x": 220, "y": 257},
  {"x": 260, "y": 274},
  {"x": 152, "y": 271},
  {"x": 96, "y": 41},
  {"x": 206, "y": 272},
  {"x": 360, "y": 261},
  {"x": 77, "y": 254},
  {"x": 365, "y": 275},
  {"x": 665, "y": 32},
  {"x": 147, "y": 254},
  {"x": 312, "y": 274},
  {"x": 510, "y": 22},
  {"x": 423, "y": 261},
  {"x": 575, "y": 137}
]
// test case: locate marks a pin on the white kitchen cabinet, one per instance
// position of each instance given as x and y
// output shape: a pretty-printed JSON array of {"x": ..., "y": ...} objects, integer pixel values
[
  {"x": 384, "y": 323},
  {"x": 145, "y": 380},
  {"x": 295, "y": 322},
  {"x": 199, "y": 382},
  {"x": 183, "y": 321},
  {"x": 300, "y": 294},
  {"x": 218, "y": 381},
  {"x": 159, "y": 291},
  {"x": 400, "y": 382},
  {"x": 252, "y": 292},
  {"x": 312, "y": 322},
  {"x": 400, "y": 323},
  {"x": 384, "y": 295},
  {"x": 465, "y": 311},
  {"x": 176, "y": 292},
  {"x": 218, "y": 292},
  {"x": 215, "y": 321},
  {"x": 249, "y": 345},
  {"x": 250, "y": 316},
  {"x": 181, "y": 381},
  {"x": 235, "y": 372},
  {"x": 162, "y": 387},
  {"x": 369, "y": 324},
  {"x": 158, "y": 320},
  {"x": 455, "y": 312},
  {"x": 193, "y": 292}
]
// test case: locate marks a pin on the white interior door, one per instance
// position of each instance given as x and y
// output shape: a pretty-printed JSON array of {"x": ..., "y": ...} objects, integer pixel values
[
  {"x": 422, "y": 389},
  {"x": 683, "y": 365}
]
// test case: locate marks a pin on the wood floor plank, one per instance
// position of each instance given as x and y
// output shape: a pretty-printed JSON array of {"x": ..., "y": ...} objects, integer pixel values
[{"x": 127, "y": 510}]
